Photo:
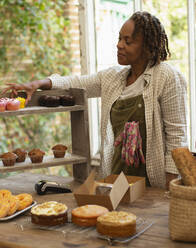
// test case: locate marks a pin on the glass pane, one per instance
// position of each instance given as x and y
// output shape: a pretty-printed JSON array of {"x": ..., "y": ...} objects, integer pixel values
[
  {"x": 174, "y": 19},
  {"x": 110, "y": 15}
]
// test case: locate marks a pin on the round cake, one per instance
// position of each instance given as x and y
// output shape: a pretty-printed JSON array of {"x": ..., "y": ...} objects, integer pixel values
[
  {"x": 50, "y": 213},
  {"x": 87, "y": 215},
  {"x": 117, "y": 224}
]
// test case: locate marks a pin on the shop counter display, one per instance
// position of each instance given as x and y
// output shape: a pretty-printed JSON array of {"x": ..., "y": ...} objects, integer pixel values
[{"x": 151, "y": 209}]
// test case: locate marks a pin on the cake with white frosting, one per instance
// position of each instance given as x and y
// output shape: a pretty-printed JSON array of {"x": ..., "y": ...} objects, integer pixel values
[
  {"x": 49, "y": 213},
  {"x": 117, "y": 224}
]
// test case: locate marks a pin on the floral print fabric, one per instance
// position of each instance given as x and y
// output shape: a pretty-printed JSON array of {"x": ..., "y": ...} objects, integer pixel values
[{"x": 131, "y": 144}]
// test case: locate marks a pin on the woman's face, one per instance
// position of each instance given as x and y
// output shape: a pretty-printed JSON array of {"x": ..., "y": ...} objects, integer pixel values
[{"x": 130, "y": 51}]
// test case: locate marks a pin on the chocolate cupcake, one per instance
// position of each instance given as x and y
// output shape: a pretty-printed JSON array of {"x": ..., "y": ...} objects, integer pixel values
[
  {"x": 21, "y": 155},
  {"x": 49, "y": 101},
  {"x": 67, "y": 100},
  {"x": 42, "y": 100},
  {"x": 36, "y": 155},
  {"x": 59, "y": 150},
  {"x": 8, "y": 158}
]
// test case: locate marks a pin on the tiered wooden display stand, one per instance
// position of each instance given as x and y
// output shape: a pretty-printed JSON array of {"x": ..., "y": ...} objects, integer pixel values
[{"x": 80, "y": 156}]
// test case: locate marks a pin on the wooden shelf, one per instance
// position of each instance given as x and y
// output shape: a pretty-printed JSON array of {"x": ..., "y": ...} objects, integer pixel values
[
  {"x": 79, "y": 132},
  {"x": 42, "y": 110},
  {"x": 48, "y": 161}
]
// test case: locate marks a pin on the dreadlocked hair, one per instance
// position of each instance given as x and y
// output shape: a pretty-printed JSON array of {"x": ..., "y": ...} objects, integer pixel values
[{"x": 154, "y": 36}]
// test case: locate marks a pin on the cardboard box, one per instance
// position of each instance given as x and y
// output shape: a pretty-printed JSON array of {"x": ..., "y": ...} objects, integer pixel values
[
  {"x": 85, "y": 194},
  {"x": 125, "y": 189},
  {"x": 136, "y": 189}
]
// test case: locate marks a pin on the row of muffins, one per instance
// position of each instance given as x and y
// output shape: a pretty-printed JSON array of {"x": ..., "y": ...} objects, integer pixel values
[{"x": 36, "y": 155}]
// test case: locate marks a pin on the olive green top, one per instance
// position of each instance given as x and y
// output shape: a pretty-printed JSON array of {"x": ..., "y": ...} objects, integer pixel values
[{"x": 127, "y": 110}]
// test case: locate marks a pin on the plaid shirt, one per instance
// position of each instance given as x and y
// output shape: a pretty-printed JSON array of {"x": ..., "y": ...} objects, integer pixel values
[{"x": 165, "y": 102}]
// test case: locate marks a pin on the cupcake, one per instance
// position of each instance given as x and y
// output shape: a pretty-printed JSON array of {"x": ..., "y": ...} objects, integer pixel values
[
  {"x": 8, "y": 158},
  {"x": 59, "y": 150},
  {"x": 36, "y": 155},
  {"x": 67, "y": 100},
  {"x": 49, "y": 101},
  {"x": 22, "y": 101},
  {"x": 21, "y": 155},
  {"x": 42, "y": 100}
]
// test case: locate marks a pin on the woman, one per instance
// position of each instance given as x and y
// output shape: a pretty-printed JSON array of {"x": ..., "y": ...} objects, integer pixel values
[{"x": 143, "y": 103}]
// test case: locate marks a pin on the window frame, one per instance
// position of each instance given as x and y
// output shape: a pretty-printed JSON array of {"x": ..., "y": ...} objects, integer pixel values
[
  {"x": 89, "y": 65},
  {"x": 192, "y": 74},
  {"x": 89, "y": 62}
]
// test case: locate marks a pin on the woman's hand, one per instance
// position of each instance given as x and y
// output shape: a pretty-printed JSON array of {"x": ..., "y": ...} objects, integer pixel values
[
  {"x": 29, "y": 88},
  {"x": 169, "y": 177}
]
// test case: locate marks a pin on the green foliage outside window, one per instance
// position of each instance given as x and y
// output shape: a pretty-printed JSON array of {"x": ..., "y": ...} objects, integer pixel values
[
  {"x": 34, "y": 39},
  {"x": 174, "y": 19}
]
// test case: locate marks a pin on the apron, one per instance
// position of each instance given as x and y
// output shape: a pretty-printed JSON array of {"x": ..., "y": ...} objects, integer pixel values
[{"x": 128, "y": 110}]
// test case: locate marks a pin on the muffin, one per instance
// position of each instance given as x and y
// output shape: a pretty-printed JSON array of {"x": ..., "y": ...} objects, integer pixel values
[
  {"x": 49, "y": 101},
  {"x": 8, "y": 158},
  {"x": 67, "y": 100},
  {"x": 59, "y": 150},
  {"x": 36, "y": 155},
  {"x": 21, "y": 155}
]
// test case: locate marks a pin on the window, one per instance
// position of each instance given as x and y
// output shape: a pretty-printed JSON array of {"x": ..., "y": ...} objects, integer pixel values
[
  {"x": 179, "y": 21},
  {"x": 176, "y": 22},
  {"x": 100, "y": 23},
  {"x": 192, "y": 71},
  {"x": 109, "y": 17}
]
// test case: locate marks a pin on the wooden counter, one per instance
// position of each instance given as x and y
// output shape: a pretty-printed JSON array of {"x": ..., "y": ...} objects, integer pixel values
[{"x": 20, "y": 233}]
